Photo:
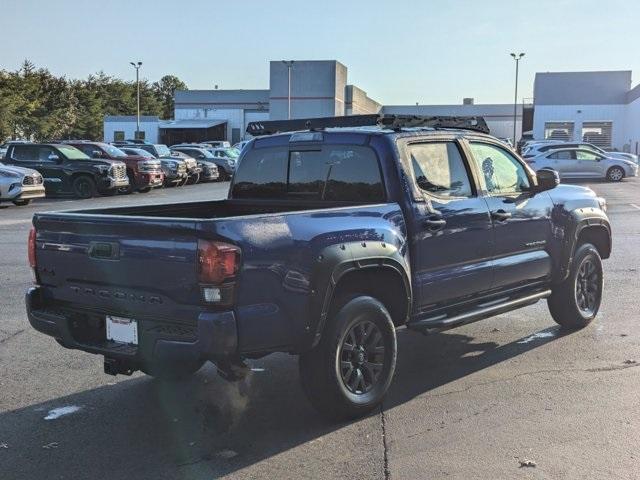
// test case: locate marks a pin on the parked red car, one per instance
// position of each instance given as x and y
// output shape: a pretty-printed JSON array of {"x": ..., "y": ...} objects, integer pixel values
[{"x": 144, "y": 173}]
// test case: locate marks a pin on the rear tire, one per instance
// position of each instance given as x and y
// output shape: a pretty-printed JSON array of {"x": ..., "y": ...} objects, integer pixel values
[
  {"x": 348, "y": 373},
  {"x": 615, "y": 174},
  {"x": 575, "y": 302},
  {"x": 84, "y": 187}
]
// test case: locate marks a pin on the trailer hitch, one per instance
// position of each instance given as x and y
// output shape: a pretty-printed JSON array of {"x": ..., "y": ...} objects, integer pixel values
[{"x": 114, "y": 366}]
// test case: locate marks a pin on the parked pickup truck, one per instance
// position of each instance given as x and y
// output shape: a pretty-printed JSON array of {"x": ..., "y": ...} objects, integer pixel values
[
  {"x": 329, "y": 240},
  {"x": 68, "y": 171},
  {"x": 176, "y": 170},
  {"x": 143, "y": 173}
]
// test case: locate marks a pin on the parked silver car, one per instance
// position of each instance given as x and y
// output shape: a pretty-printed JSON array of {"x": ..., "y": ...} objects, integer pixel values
[
  {"x": 535, "y": 149},
  {"x": 20, "y": 185},
  {"x": 584, "y": 163}
]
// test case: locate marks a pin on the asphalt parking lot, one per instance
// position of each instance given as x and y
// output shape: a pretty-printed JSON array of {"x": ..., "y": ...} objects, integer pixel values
[{"x": 469, "y": 403}]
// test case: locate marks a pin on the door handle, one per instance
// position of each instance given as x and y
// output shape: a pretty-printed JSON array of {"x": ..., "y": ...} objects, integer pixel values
[
  {"x": 500, "y": 215},
  {"x": 435, "y": 223}
]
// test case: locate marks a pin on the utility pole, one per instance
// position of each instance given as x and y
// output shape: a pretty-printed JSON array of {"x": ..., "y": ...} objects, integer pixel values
[
  {"x": 515, "y": 98},
  {"x": 289, "y": 64},
  {"x": 137, "y": 67}
]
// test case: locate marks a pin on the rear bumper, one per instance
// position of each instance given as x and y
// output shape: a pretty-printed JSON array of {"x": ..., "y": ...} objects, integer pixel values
[{"x": 213, "y": 335}]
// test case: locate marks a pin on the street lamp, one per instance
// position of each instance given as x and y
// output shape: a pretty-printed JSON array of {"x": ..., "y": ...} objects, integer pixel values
[
  {"x": 515, "y": 99},
  {"x": 289, "y": 64},
  {"x": 137, "y": 67}
]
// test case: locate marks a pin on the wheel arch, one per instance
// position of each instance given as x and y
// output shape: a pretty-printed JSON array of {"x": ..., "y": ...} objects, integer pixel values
[
  {"x": 589, "y": 225},
  {"x": 371, "y": 268}
]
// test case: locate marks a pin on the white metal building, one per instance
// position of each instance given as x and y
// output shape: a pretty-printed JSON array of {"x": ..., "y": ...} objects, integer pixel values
[{"x": 595, "y": 107}]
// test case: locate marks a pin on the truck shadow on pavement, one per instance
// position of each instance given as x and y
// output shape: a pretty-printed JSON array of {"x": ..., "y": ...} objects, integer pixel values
[{"x": 205, "y": 428}]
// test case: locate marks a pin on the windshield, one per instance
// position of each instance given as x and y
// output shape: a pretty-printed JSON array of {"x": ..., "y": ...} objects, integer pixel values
[
  {"x": 72, "y": 153},
  {"x": 139, "y": 151},
  {"x": 142, "y": 153},
  {"x": 595, "y": 149},
  {"x": 113, "y": 151},
  {"x": 163, "y": 150},
  {"x": 231, "y": 152}
]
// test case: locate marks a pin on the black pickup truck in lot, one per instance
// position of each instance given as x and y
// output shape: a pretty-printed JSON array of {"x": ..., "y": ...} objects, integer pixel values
[
  {"x": 68, "y": 171},
  {"x": 333, "y": 235}
]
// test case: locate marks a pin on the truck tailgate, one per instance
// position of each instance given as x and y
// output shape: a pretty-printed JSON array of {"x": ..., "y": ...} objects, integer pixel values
[{"x": 119, "y": 264}]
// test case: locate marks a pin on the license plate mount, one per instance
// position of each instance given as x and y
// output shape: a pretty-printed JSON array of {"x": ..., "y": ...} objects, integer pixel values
[{"x": 122, "y": 330}]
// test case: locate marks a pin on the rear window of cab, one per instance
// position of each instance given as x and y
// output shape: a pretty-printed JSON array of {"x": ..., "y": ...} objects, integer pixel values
[{"x": 346, "y": 173}]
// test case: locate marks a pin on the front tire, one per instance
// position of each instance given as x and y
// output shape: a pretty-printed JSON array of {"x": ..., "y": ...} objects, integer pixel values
[
  {"x": 84, "y": 187},
  {"x": 22, "y": 203},
  {"x": 575, "y": 302},
  {"x": 615, "y": 174},
  {"x": 348, "y": 373}
]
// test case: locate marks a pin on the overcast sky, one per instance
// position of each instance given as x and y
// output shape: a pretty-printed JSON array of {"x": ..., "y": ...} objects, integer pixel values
[{"x": 400, "y": 52}]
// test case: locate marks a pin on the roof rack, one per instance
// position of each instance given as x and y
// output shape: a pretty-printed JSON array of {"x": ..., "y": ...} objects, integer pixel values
[{"x": 393, "y": 122}]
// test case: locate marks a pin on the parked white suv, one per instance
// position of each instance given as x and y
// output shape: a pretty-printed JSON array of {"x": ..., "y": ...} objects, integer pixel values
[
  {"x": 20, "y": 185},
  {"x": 583, "y": 163}
]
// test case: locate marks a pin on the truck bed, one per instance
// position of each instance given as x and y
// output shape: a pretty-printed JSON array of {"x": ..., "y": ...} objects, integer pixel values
[
  {"x": 151, "y": 271},
  {"x": 215, "y": 208}
]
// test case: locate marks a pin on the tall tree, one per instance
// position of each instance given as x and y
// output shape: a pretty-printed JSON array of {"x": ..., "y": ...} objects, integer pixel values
[
  {"x": 35, "y": 104},
  {"x": 165, "y": 90}
]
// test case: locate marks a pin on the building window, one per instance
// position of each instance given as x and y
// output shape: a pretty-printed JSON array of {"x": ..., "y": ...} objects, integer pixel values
[
  {"x": 558, "y": 131},
  {"x": 597, "y": 133},
  {"x": 139, "y": 135},
  {"x": 118, "y": 136}
]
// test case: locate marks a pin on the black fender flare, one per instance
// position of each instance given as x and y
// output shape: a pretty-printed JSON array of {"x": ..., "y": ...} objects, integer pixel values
[
  {"x": 335, "y": 261},
  {"x": 578, "y": 220}
]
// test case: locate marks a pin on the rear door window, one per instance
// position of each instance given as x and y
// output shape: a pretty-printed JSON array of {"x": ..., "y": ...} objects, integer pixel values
[
  {"x": 332, "y": 172},
  {"x": 438, "y": 168},
  {"x": 25, "y": 153},
  {"x": 562, "y": 155}
]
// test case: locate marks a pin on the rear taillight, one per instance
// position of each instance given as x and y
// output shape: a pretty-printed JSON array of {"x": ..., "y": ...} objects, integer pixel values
[
  {"x": 32, "y": 248},
  {"x": 31, "y": 253},
  {"x": 217, "y": 261}
]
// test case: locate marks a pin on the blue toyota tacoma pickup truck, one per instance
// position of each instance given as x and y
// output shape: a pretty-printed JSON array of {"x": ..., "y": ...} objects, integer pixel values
[{"x": 332, "y": 236}]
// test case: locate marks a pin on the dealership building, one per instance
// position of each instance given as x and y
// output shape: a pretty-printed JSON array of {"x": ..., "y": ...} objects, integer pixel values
[{"x": 596, "y": 107}]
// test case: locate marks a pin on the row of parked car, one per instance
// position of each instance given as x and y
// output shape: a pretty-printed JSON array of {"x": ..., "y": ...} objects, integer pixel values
[
  {"x": 83, "y": 169},
  {"x": 579, "y": 160}
]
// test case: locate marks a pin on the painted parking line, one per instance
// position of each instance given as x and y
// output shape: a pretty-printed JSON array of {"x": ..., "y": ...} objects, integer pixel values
[
  {"x": 6, "y": 223},
  {"x": 635, "y": 206}
]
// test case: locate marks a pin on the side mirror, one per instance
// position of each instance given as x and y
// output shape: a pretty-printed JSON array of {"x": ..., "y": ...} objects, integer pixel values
[
  {"x": 201, "y": 156},
  {"x": 546, "y": 179},
  {"x": 96, "y": 154},
  {"x": 53, "y": 157}
]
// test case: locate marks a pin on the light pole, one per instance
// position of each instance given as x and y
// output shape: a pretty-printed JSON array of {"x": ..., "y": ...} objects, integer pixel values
[
  {"x": 137, "y": 67},
  {"x": 289, "y": 64},
  {"x": 515, "y": 98}
]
